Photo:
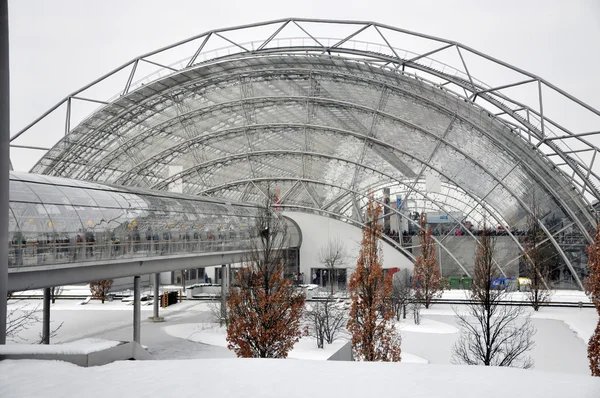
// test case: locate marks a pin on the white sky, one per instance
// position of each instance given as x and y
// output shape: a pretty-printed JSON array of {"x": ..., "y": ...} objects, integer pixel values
[{"x": 58, "y": 46}]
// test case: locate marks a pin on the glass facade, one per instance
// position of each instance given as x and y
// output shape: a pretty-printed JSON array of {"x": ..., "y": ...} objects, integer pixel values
[
  {"x": 56, "y": 221},
  {"x": 327, "y": 122}
]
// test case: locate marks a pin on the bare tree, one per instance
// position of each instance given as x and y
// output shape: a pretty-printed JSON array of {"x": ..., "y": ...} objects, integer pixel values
[
  {"x": 538, "y": 258},
  {"x": 325, "y": 320},
  {"x": 333, "y": 256},
  {"x": 415, "y": 306},
  {"x": 53, "y": 333},
  {"x": 21, "y": 317},
  {"x": 402, "y": 293},
  {"x": 427, "y": 280},
  {"x": 493, "y": 332},
  {"x": 216, "y": 313}
]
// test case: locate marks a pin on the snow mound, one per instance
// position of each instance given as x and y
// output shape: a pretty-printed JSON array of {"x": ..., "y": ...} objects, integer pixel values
[
  {"x": 426, "y": 326},
  {"x": 84, "y": 346},
  {"x": 213, "y": 334},
  {"x": 205, "y": 333},
  {"x": 276, "y": 378},
  {"x": 412, "y": 358}
]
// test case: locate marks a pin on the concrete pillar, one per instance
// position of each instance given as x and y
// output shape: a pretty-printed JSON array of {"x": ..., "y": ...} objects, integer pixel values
[
  {"x": 223, "y": 291},
  {"x": 46, "y": 317},
  {"x": 4, "y": 164},
  {"x": 137, "y": 310},
  {"x": 156, "y": 294},
  {"x": 228, "y": 277},
  {"x": 155, "y": 317}
]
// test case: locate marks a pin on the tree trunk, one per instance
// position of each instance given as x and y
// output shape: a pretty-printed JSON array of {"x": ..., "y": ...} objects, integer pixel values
[{"x": 330, "y": 282}]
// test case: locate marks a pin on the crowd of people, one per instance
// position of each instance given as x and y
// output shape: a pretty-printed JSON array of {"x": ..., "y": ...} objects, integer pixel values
[
  {"x": 407, "y": 235},
  {"x": 86, "y": 244}
]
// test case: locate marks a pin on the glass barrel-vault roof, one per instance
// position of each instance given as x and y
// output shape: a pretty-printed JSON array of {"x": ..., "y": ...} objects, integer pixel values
[{"x": 329, "y": 121}]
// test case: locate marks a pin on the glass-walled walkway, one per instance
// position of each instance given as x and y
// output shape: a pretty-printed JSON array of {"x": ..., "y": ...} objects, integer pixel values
[{"x": 58, "y": 221}]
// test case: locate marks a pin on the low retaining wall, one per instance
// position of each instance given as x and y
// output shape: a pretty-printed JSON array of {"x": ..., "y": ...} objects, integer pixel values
[
  {"x": 343, "y": 354},
  {"x": 122, "y": 352},
  {"x": 214, "y": 290}
]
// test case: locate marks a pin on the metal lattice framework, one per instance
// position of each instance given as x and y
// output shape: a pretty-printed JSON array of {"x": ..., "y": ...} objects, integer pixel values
[{"x": 330, "y": 120}]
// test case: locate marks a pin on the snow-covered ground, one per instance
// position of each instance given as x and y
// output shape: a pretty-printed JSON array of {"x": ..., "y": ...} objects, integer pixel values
[
  {"x": 83, "y": 346},
  {"x": 284, "y": 378},
  {"x": 426, "y": 325},
  {"x": 561, "y": 338},
  {"x": 561, "y": 367},
  {"x": 564, "y": 296},
  {"x": 568, "y": 296},
  {"x": 214, "y": 335}
]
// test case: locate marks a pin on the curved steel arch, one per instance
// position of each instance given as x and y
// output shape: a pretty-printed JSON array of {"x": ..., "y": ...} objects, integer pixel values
[
  {"x": 311, "y": 154},
  {"x": 241, "y": 101},
  {"x": 177, "y": 118},
  {"x": 415, "y": 127},
  {"x": 568, "y": 187},
  {"x": 384, "y": 206},
  {"x": 216, "y": 190},
  {"x": 498, "y": 179}
]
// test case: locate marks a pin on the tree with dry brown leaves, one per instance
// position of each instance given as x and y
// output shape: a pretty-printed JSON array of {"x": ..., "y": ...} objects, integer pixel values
[
  {"x": 264, "y": 309},
  {"x": 427, "y": 280},
  {"x": 592, "y": 288},
  {"x": 371, "y": 323},
  {"x": 100, "y": 289}
]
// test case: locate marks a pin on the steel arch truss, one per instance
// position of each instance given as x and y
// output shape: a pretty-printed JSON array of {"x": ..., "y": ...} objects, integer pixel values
[{"x": 333, "y": 119}]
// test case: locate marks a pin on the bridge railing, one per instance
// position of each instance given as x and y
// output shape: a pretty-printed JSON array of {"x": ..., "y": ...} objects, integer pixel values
[{"x": 31, "y": 254}]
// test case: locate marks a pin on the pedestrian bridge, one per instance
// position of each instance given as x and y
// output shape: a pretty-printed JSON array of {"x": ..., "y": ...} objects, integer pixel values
[{"x": 65, "y": 231}]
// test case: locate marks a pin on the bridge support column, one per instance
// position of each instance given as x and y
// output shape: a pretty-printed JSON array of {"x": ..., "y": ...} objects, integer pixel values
[
  {"x": 137, "y": 309},
  {"x": 155, "y": 317},
  {"x": 224, "y": 283},
  {"x": 229, "y": 276},
  {"x": 46, "y": 317}
]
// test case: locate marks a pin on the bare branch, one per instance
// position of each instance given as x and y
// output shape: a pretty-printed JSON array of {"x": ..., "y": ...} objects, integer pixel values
[
  {"x": 333, "y": 255},
  {"x": 325, "y": 320},
  {"x": 492, "y": 332},
  {"x": 539, "y": 258}
]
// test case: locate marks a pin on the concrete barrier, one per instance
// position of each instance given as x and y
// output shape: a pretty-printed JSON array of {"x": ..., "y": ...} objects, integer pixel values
[
  {"x": 122, "y": 352},
  {"x": 343, "y": 354}
]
